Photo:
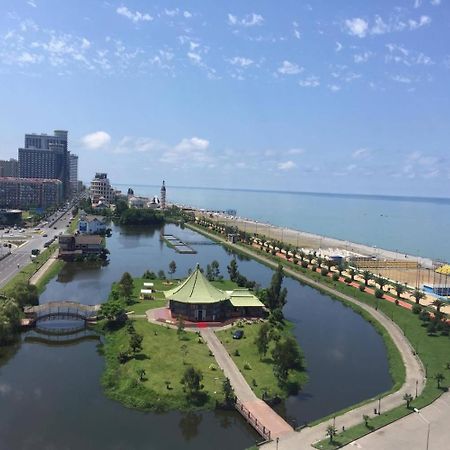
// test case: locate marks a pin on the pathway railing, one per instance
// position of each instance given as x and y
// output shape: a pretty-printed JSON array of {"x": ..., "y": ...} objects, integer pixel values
[{"x": 252, "y": 420}]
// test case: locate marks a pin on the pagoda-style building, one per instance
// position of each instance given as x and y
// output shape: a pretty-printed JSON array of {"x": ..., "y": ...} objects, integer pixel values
[{"x": 197, "y": 300}]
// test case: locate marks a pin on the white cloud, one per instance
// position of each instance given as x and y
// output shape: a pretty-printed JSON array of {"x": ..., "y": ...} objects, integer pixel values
[
  {"x": 96, "y": 140},
  {"x": 362, "y": 57},
  {"x": 241, "y": 61},
  {"x": 190, "y": 152},
  {"x": 192, "y": 144},
  {"x": 401, "y": 79},
  {"x": 296, "y": 151},
  {"x": 135, "y": 16},
  {"x": 361, "y": 153},
  {"x": 357, "y": 27},
  {"x": 339, "y": 46},
  {"x": 310, "y": 82},
  {"x": 288, "y": 68},
  {"x": 287, "y": 165},
  {"x": 334, "y": 87},
  {"x": 417, "y": 3},
  {"x": 32, "y": 3},
  {"x": 172, "y": 12},
  {"x": 250, "y": 20},
  {"x": 297, "y": 34},
  {"x": 130, "y": 144},
  {"x": 415, "y": 24},
  {"x": 435, "y": 2},
  {"x": 187, "y": 14},
  {"x": 194, "y": 57}
]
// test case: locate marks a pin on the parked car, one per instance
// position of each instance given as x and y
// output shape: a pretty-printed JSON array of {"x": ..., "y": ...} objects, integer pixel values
[
  {"x": 238, "y": 334},
  {"x": 45, "y": 235}
]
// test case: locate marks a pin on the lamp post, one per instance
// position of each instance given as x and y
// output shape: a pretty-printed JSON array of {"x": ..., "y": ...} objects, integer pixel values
[
  {"x": 277, "y": 440},
  {"x": 428, "y": 425}
]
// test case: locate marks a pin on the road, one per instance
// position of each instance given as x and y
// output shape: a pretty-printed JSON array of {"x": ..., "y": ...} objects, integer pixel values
[{"x": 20, "y": 256}]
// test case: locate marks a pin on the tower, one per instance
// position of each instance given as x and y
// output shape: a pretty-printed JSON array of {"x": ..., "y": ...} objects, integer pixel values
[{"x": 163, "y": 195}]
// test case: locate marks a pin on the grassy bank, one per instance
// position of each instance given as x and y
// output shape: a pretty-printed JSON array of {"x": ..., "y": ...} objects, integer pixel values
[
  {"x": 165, "y": 355},
  {"x": 51, "y": 273},
  {"x": 258, "y": 372}
]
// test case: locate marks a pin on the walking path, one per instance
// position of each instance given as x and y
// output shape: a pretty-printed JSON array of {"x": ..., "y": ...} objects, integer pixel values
[
  {"x": 43, "y": 269},
  {"x": 415, "y": 374},
  {"x": 264, "y": 415}
]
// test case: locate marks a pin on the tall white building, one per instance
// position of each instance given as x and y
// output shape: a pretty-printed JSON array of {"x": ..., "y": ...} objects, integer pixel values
[
  {"x": 100, "y": 187},
  {"x": 73, "y": 173}
]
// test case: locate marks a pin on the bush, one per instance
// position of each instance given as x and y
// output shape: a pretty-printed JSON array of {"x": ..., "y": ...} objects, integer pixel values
[
  {"x": 424, "y": 316},
  {"x": 305, "y": 264},
  {"x": 314, "y": 267},
  {"x": 324, "y": 271},
  {"x": 236, "y": 353},
  {"x": 295, "y": 260},
  {"x": 247, "y": 366},
  {"x": 416, "y": 309},
  {"x": 362, "y": 287},
  {"x": 379, "y": 293},
  {"x": 335, "y": 277},
  {"x": 347, "y": 280}
]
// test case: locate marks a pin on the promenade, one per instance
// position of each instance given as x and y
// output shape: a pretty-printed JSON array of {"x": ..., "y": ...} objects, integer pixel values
[{"x": 415, "y": 374}]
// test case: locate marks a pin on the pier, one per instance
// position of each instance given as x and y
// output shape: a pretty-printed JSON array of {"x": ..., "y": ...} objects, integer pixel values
[{"x": 177, "y": 244}]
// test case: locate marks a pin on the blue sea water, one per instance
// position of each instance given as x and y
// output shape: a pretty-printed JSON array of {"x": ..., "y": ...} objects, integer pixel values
[{"x": 413, "y": 225}]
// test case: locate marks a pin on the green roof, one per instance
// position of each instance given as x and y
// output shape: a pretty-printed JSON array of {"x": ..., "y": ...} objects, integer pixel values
[
  {"x": 196, "y": 289},
  {"x": 243, "y": 297}
]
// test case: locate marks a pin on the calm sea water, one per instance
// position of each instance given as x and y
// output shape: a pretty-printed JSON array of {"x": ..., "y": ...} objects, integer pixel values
[{"x": 417, "y": 226}]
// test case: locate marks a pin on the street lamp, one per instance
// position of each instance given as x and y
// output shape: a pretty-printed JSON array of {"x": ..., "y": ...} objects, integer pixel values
[
  {"x": 277, "y": 440},
  {"x": 428, "y": 425}
]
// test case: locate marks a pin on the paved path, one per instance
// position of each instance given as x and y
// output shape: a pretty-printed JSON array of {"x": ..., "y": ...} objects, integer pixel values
[
  {"x": 43, "y": 269},
  {"x": 415, "y": 375},
  {"x": 258, "y": 408}
]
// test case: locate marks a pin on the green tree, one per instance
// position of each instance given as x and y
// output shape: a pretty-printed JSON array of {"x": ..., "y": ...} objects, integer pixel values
[
  {"x": 126, "y": 286},
  {"x": 112, "y": 310},
  {"x": 172, "y": 268},
  {"x": 341, "y": 267},
  {"x": 262, "y": 339},
  {"x": 331, "y": 432},
  {"x": 161, "y": 275},
  {"x": 233, "y": 270},
  {"x": 381, "y": 282},
  {"x": 366, "y": 420},
  {"x": 286, "y": 356},
  {"x": 10, "y": 315},
  {"x": 191, "y": 380},
  {"x": 367, "y": 275},
  {"x": 399, "y": 289},
  {"x": 438, "y": 304},
  {"x": 408, "y": 399},
  {"x": 141, "y": 373},
  {"x": 25, "y": 294},
  {"x": 136, "y": 343},
  {"x": 180, "y": 326},
  {"x": 352, "y": 272},
  {"x": 215, "y": 270},
  {"x": 275, "y": 296},
  {"x": 228, "y": 392},
  {"x": 439, "y": 377},
  {"x": 418, "y": 295},
  {"x": 121, "y": 207}
]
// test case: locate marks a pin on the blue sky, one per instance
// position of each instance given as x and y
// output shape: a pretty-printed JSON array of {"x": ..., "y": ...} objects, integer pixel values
[{"x": 342, "y": 96}]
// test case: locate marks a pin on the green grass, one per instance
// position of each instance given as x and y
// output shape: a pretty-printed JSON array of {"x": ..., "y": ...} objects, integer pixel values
[
  {"x": 260, "y": 377},
  {"x": 164, "y": 358},
  {"x": 73, "y": 226},
  {"x": 52, "y": 272},
  {"x": 225, "y": 285}
]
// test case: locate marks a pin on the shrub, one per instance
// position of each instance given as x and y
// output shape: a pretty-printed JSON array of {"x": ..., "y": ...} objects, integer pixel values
[
  {"x": 236, "y": 353},
  {"x": 295, "y": 260},
  {"x": 324, "y": 271},
  {"x": 424, "y": 316},
  {"x": 379, "y": 293},
  {"x": 335, "y": 276},
  {"x": 247, "y": 366},
  {"x": 314, "y": 267},
  {"x": 362, "y": 287},
  {"x": 347, "y": 280},
  {"x": 212, "y": 367},
  {"x": 304, "y": 264},
  {"x": 416, "y": 309}
]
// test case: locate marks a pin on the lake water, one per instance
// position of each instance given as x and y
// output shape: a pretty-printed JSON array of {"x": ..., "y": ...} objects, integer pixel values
[
  {"x": 417, "y": 226},
  {"x": 51, "y": 396}
]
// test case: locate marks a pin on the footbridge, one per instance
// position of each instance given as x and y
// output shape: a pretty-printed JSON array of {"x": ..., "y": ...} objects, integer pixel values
[{"x": 62, "y": 310}]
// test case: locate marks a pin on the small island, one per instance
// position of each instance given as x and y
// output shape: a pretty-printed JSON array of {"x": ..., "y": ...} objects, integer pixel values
[{"x": 158, "y": 360}]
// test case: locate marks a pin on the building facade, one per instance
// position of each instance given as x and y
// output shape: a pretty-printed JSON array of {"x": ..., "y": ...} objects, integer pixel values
[
  {"x": 46, "y": 156},
  {"x": 89, "y": 224},
  {"x": 101, "y": 188},
  {"x": 73, "y": 173},
  {"x": 26, "y": 193},
  {"x": 9, "y": 168}
]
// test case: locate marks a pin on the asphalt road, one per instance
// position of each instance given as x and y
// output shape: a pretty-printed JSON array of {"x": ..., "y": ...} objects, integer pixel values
[{"x": 21, "y": 256}]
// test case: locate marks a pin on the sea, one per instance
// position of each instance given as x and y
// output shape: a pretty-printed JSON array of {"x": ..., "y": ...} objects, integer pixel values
[{"x": 415, "y": 225}]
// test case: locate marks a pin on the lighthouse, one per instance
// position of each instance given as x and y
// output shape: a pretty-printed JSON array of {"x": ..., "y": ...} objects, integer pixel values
[{"x": 163, "y": 195}]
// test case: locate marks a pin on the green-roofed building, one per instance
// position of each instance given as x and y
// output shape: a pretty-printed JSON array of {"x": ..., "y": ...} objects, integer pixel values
[{"x": 196, "y": 299}]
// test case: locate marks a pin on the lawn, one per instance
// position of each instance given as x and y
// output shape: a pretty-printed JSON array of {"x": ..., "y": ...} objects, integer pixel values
[
  {"x": 164, "y": 357},
  {"x": 260, "y": 376}
]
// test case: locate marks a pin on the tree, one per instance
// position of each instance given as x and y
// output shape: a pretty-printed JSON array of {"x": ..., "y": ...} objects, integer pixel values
[
  {"x": 228, "y": 392},
  {"x": 215, "y": 271},
  {"x": 341, "y": 267},
  {"x": 180, "y": 326},
  {"x": 126, "y": 286},
  {"x": 418, "y": 295},
  {"x": 233, "y": 270},
  {"x": 286, "y": 356},
  {"x": 112, "y": 310},
  {"x": 331, "y": 432},
  {"x": 439, "y": 377},
  {"x": 121, "y": 207},
  {"x": 275, "y": 296},
  {"x": 352, "y": 272},
  {"x": 262, "y": 339},
  {"x": 191, "y": 380},
  {"x": 141, "y": 374},
  {"x": 25, "y": 294},
  {"x": 381, "y": 282},
  {"x": 408, "y": 399},
  {"x": 172, "y": 268},
  {"x": 161, "y": 275},
  {"x": 9, "y": 319},
  {"x": 366, "y": 420},
  {"x": 438, "y": 304},
  {"x": 399, "y": 288},
  {"x": 136, "y": 343},
  {"x": 367, "y": 275}
]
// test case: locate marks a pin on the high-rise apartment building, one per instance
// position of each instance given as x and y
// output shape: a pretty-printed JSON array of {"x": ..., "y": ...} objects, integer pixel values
[
  {"x": 9, "y": 168},
  {"x": 73, "y": 173},
  {"x": 46, "y": 156},
  {"x": 100, "y": 187}
]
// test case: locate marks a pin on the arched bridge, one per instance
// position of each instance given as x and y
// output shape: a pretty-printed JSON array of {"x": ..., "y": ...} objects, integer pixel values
[{"x": 62, "y": 310}]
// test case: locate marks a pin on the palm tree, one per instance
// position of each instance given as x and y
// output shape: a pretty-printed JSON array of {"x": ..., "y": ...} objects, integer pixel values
[
  {"x": 310, "y": 257},
  {"x": 381, "y": 282},
  {"x": 330, "y": 263},
  {"x": 352, "y": 273},
  {"x": 408, "y": 399},
  {"x": 341, "y": 267},
  {"x": 302, "y": 255},
  {"x": 438, "y": 304},
  {"x": 399, "y": 288},
  {"x": 319, "y": 261},
  {"x": 367, "y": 275},
  {"x": 439, "y": 377},
  {"x": 331, "y": 431},
  {"x": 418, "y": 295}
]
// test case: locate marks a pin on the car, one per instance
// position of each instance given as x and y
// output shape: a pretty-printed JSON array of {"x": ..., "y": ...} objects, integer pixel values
[
  {"x": 238, "y": 334},
  {"x": 45, "y": 235},
  {"x": 55, "y": 228}
]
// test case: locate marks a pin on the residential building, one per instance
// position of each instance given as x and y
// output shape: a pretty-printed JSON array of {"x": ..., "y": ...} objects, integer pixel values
[
  {"x": 26, "y": 193},
  {"x": 90, "y": 224},
  {"x": 73, "y": 173},
  {"x": 101, "y": 187},
  {"x": 71, "y": 247},
  {"x": 46, "y": 156},
  {"x": 9, "y": 168}
]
